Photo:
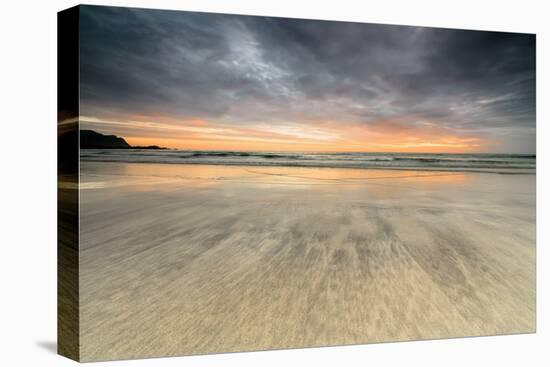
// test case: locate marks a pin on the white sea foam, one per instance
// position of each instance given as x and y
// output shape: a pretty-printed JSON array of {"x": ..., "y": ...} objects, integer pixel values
[{"x": 503, "y": 163}]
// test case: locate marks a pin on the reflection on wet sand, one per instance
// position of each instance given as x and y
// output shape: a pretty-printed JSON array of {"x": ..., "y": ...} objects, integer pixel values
[{"x": 191, "y": 259}]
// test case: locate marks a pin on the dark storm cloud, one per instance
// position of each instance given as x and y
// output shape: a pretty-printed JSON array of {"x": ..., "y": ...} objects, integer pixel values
[{"x": 245, "y": 70}]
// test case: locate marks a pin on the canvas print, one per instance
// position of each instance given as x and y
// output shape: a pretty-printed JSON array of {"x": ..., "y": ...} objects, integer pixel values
[{"x": 234, "y": 183}]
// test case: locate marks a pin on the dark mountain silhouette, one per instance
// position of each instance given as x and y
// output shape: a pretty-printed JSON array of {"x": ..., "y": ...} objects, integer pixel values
[{"x": 90, "y": 139}]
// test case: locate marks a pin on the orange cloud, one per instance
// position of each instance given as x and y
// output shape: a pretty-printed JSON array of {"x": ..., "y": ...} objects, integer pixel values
[{"x": 389, "y": 135}]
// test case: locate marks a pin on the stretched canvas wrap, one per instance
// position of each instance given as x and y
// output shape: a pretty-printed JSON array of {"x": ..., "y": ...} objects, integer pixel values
[{"x": 237, "y": 183}]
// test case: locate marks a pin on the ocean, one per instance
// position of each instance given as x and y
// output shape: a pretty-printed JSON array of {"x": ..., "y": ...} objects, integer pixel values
[{"x": 501, "y": 163}]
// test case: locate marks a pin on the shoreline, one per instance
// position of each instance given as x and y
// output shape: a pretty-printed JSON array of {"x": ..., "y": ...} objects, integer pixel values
[{"x": 507, "y": 171}]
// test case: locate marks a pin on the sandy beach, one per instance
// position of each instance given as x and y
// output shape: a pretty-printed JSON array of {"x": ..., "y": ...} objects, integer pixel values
[{"x": 194, "y": 259}]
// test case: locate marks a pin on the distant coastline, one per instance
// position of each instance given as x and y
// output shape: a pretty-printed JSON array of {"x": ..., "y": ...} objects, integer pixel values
[{"x": 90, "y": 139}]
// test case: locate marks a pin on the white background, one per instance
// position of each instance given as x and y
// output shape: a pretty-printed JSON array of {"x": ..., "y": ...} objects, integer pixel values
[{"x": 28, "y": 181}]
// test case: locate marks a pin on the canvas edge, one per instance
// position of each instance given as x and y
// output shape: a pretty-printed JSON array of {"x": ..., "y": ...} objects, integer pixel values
[{"x": 68, "y": 318}]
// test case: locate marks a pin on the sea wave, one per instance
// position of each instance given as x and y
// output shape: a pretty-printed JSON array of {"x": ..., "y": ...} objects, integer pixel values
[{"x": 492, "y": 162}]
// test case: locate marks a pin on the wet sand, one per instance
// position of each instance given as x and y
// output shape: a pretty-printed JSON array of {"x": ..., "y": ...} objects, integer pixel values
[{"x": 191, "y": 259}]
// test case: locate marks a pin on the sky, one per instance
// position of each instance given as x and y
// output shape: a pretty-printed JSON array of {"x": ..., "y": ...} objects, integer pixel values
[{"x": 206, "y": 81}]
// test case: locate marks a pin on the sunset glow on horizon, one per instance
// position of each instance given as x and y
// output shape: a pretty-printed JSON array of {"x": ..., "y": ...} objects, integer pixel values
[{"x": 382, "y": 136}]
